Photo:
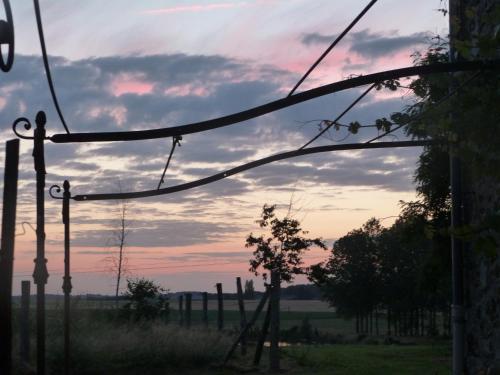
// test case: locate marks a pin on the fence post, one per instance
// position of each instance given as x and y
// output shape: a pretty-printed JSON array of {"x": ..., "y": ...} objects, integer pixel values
[
  {"x": 274, "y": 302},
  {"x": 243, "y": 317},
  {"x": 189, "y": 297},
  {"x": 205, "y": 309},
  {"x": 263, "y": 335},
  {"x": 181, "y": 310},
  {"x": 252, "y": 321},
  {"x": 24, "y": 322},
  {"x": 220, "y": 308},
  {"x": 7, "y": 253}
]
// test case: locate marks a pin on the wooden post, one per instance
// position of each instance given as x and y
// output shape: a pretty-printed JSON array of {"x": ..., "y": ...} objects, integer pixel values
[
  {"x": 243, "y": 317},
  {"x": 388, "y": 321},
  {"x": 181, "y": 310},
  {"x": 274, "y": 302},
  {"x": 252, "y": 321},
  {"x": 263, "y": 335},
  {"x": 205, "y": 309},
  {"x": 189, "y": 297},
  {"x": 220, "y": 308},
  {"x": 24, "y": 322},
  {"x": 7, "y": 253}
]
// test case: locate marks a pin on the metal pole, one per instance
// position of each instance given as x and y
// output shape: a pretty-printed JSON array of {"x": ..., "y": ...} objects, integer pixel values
[
  {"x": 7, "y": 254},
  {"x": 66, "y": 287},
  {"x": 40, "y": 274},
  {"x": 458, "y": 310}
]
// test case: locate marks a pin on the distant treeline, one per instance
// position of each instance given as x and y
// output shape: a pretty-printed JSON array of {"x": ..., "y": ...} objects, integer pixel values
[{"x": 292, "y": 292}]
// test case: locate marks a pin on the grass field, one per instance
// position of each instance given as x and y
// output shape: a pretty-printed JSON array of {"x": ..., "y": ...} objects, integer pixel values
[{"x": 103, "y": 343}]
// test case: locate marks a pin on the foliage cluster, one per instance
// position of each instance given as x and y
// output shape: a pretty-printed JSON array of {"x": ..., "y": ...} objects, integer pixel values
[
  {"x": 397, "y": 269},
  {"x": 282, "y": 250},
  {"x": 146, "y": 300}
]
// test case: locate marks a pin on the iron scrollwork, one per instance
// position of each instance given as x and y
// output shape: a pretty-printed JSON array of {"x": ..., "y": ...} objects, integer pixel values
[
  {"x": 26, "y": 124},
  {"x": 57, "y": 190},
  {"x": 7, "y": 37}
]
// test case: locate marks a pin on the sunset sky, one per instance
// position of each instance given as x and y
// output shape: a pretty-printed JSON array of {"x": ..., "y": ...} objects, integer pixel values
[{"x": 123, "y": 65}]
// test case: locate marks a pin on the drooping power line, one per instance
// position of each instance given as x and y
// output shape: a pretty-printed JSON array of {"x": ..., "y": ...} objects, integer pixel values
[
  {"x": 351, "y": 106},
  {"x": 335, "y": 42},
  {"x": 46, "y": 64}
]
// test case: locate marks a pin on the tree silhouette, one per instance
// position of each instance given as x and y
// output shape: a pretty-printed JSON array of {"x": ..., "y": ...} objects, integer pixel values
[{"x": 282, "y": 250}]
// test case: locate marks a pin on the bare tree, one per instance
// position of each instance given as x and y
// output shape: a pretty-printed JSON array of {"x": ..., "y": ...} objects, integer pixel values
[{"x": 117, "y": 260}]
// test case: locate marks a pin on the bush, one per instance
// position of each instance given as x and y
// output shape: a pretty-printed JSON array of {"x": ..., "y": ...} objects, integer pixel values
[{"x": 145, "y": 300}]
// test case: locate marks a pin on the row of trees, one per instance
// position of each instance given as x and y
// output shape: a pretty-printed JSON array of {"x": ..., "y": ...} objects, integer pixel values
[{"x": 397, "y": 270}]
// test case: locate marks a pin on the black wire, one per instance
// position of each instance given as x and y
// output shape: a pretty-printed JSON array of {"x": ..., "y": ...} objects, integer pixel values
[
  {"x": 245, "y": 167},
  {"x": 437, "y": 104},
  {"x": 175, "y": 141},
  {"x": 351, "y": 106},
  {"x": 335, "y": 42},
  {"x": 46, "y": 63},
  {"x": 227, "y": 120}
]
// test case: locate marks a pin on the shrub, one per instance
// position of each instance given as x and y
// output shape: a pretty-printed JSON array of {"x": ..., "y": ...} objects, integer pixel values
[{"x": 145, "y": 299}]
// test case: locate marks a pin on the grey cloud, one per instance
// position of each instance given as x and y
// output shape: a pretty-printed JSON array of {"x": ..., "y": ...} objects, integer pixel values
[
  {"x": 371, "y": 45},
  {"x": 160, "y": 233}
]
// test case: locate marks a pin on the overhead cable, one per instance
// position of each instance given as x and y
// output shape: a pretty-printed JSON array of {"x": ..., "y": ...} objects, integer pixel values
[
  {"x": 335, "y": 42},
  {"x": 247, "y": 166},
  {"x": 358, "y": 99},
  {"x": 273, "y": 106},
  {"x": 46, "y": 64}
]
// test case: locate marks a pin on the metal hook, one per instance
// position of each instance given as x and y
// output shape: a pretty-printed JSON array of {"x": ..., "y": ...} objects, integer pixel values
[
  {"x": 58, "y": 189},
  {"x": 7, "y": 37},
  {"x": 27, "y": 125}
]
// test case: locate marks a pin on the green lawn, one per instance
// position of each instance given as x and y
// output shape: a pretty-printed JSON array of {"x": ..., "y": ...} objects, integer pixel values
[{"x": 370, "y": 359}]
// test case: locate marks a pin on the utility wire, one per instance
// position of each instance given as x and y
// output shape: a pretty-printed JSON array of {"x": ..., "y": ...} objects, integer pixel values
[
  {"x": 351, "y": 106},
  {"x": 46, "y": 63},
  {"x": 335, "y": 42},
  {"x": 437, "y": 104},
  {"x": 175, "y": 141}
]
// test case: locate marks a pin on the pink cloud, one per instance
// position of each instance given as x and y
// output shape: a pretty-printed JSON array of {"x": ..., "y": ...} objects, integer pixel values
[{"x": 129, "y": 84}]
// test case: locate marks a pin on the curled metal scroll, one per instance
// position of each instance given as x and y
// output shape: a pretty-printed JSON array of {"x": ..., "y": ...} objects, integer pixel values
[
  {"x": 136, "y": 135},
  {"x": 27, "y": 126},
  {"x": 7, "y": 37},
  {"x": 57, "y": 189}
]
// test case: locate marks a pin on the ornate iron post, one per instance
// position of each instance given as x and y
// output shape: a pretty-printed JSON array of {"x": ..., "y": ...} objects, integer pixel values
[
  {"x": 66, "y": 286},
  {"x": 40, "y": 274}
]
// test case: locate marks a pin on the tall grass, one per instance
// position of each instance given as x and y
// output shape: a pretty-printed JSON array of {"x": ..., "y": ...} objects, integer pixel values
[
  {"x": 112, "y": 349},
  {"x": 108, "y": 344}
]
